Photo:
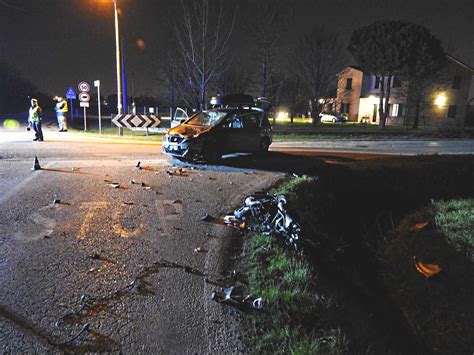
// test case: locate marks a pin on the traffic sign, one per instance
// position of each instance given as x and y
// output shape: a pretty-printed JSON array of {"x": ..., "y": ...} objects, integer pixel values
[
  {"x": 83, "y": 86},
  {"x": 84, "y": 97},
  {"x": 70, "y": 94},
  {"x": 132, "y": 121},
  {"x": 84, "y": 104}
]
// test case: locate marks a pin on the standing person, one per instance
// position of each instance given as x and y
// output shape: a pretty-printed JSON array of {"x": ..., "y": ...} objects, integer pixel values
[
  {"x": 61, "y": 109},
  {"x": 34, "y": 119}
]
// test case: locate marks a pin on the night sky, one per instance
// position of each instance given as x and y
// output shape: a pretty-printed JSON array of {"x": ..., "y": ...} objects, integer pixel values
[{"x": 56, "y": 43}]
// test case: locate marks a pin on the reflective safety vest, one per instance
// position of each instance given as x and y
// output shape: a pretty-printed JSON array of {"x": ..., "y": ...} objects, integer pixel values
[
  {"x": 61, "y": 106},
  {"x": 34, "y": 114}
]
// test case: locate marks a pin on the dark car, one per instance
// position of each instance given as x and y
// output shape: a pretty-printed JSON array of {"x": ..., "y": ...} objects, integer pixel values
[{"x": 237, "y": 125}]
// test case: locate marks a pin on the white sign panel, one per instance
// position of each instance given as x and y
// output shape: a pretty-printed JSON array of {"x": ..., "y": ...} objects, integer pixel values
[
  {"x": 83, "y": 86},
  {"x": 84, "y": 97},
  {"x": 84, "y": 104}
]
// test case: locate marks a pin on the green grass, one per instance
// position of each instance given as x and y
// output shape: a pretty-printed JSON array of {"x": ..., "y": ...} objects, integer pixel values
[
  {"x": 291, "y": 184},
  {"x": 455, "y": 218},
  {"x": 295, "y": 317}
]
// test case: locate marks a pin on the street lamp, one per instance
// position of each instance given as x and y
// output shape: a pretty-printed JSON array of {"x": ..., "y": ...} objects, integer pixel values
[{"x": 117, "y": 57}]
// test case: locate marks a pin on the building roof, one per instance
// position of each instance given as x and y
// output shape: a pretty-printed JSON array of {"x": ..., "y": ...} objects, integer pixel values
[{"x": 350, "y": 66}]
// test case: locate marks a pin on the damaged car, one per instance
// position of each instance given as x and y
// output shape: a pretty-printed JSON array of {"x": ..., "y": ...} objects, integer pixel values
[{"x": 236, "y": 124}]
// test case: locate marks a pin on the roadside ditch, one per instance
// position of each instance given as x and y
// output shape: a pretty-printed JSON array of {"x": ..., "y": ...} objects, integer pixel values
[{"x": 355, "y": 287}]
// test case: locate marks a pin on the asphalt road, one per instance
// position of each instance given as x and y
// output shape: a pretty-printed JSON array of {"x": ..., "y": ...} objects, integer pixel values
[{"x": 122, "y": 261}]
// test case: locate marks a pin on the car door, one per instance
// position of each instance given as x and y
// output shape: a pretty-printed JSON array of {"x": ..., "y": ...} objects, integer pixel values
[
  {"x": 251, "y": 136},
  {"x": 179, "y": 117},
  {"x": 234, "y": 134}
]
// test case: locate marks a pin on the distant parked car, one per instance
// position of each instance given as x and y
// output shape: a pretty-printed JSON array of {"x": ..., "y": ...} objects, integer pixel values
[{"x": 327, "y": 117}]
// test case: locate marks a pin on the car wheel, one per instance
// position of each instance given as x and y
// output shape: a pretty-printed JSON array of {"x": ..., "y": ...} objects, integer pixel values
[{"x": 333, "y": 120}]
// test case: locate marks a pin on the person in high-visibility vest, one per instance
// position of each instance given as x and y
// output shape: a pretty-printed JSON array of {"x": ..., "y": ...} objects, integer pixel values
[
  {"x": 34, "y": 120},
  {"x": 61, "y": 109}
]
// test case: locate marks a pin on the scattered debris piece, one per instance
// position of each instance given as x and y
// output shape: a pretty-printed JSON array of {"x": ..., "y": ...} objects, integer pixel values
[
  {"x": 142, "y": 184},
  {"x": 427, "y": 270},
  {"x": 178, "y": 202},
  {"x": 128, "y": 203},
  {"x": 219, "y": 189},
  {"x": 420, "y": 226},
  {"x": 176, "y": 171},
  {"x": 206, "y": 217},
  {"x": 199, "y": 250},
  {"x": 75, "y": 169},
  {"x": 132, "y": 182},
  {"x": 138, "y": 166},
  {"x": 258, "y": 303},
  {"x": 56, "y": 201},
  {"x": 235, "y": 295},
  {"x": 46, "y": 237},
  {"x": 36, "y": 164},
  {"x": 147, "y": 187},
  {"x": 231, "y": 182},
  {"x": 212, "y": 178},
  {"x": 115, "y": 185},
  {"x": 95, "y": 255}
]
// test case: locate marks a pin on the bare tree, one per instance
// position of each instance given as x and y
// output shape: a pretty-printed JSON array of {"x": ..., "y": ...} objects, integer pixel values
[
  {"x": 203, "y": 41},
  {"x": 237, "y": 79},
  {"x": 267, "y": 25},
  {"x": 319, "y": 56}
]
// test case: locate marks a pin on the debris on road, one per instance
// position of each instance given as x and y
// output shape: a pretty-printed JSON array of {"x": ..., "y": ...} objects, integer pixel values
[
  {"x": 36, "y": 164},
  {"x": 132, "y": 182},
  {"x": 199, "y": 250},
  {"x": 235, "y": 295},
  {"x": 176, "y": 171},
  {"x": 56, "y": 201},
  {"x": 115, "y": 185},
  {"x": 206, "y": 217},
  {"x": 138, "y": 166},
  {"x": 178, "y": 202}
]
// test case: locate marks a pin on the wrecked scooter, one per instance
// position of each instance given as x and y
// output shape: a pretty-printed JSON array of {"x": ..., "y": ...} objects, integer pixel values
[{"x": 267, "y": 214}]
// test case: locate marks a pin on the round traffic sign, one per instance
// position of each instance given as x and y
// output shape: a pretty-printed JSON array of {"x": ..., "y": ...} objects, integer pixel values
[
  {"x": 84, "y": 97},
  {"x": 83, "y": 86}
]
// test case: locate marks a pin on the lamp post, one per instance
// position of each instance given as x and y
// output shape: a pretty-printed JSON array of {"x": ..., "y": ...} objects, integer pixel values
[{"x": 117, "y": 57}]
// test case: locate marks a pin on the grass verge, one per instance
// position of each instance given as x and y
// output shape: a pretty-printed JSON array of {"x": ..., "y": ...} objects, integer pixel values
[
  {"x": 455, "y": 218},
  {"x": 297, "y": 318}
]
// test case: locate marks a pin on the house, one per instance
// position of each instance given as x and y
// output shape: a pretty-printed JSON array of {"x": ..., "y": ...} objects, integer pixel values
[{"x": 445, "y": 101}]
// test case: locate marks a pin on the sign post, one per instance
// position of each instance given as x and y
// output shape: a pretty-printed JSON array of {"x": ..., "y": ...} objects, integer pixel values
[
  {"x": 84, "y": 99},
  {"x": 97, "y": 85},
  {"x": 71, "y": 95}
]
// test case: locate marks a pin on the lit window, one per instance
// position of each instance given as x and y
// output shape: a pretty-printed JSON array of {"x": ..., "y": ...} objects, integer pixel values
[{"x": 394, "y": 112}]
